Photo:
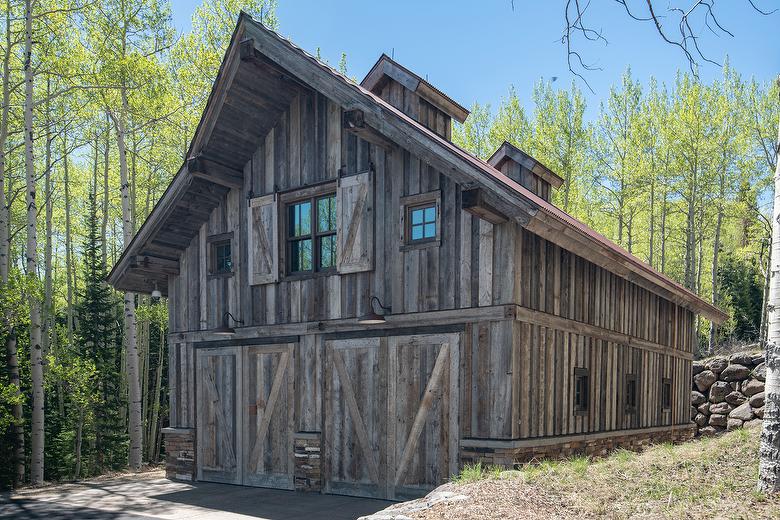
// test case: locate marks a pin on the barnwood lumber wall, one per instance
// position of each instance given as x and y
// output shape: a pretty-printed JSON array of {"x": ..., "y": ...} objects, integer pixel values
[{"x": 570, "y": 311}]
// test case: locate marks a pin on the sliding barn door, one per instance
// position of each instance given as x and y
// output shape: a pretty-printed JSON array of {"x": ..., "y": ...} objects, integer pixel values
[
  {"x": 268, "y": 416},
  {"x": 423, "y": 422},
  {"x": 355, "y": 417},
  {"x": 391, "y": 416},
  {"x": 219, "y": 415}
]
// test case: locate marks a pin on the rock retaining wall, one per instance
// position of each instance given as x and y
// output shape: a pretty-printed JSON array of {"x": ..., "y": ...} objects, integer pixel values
[{"x": 728, "y": 391}]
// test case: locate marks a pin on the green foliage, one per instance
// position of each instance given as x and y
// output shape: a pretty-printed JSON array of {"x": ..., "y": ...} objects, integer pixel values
[
  {"x": 740, "y": 284},
  {"x": 476, "y": 472}
]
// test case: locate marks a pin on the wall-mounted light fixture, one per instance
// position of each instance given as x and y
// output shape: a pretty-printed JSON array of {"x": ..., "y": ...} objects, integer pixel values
[
  {"x": 156, "y": 294},
  {"x": 225, "y": 329},
  {"x": 373, "y": 317}
]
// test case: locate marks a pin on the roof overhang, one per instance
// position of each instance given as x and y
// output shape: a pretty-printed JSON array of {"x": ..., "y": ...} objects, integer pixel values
[{"x": 285, "y": 67}]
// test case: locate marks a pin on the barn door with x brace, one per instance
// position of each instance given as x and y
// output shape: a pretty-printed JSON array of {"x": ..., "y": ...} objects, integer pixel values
[
  {"x": 391, "y": 414},
  {"x": 218, "y": 430}
]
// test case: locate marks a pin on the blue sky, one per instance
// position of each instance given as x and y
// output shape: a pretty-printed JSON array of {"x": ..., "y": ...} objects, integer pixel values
[{"x": 474, "y": 51}]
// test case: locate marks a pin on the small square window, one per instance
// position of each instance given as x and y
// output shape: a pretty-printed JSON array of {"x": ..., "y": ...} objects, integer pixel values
[
  {"x": 631, "y": 394},
  {"x": 581, "y": 391},
  {"x": 666, "y": 394},
  {"x": 423, "y": 223},
  {"x": 221, "y": 257}
]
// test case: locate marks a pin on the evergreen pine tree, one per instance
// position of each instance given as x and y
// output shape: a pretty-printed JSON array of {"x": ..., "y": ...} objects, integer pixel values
[{"x": 98, "y": 333}]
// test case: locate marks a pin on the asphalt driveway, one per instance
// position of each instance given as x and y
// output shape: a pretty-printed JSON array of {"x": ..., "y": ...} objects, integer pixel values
[{"x": 150, "y": 495}]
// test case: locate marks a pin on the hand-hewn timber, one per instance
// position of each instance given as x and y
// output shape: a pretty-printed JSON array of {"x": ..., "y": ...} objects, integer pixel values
[{"x": 305, "y": 200}]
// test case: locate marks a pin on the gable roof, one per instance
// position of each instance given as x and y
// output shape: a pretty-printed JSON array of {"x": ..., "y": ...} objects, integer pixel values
[
  {"x": 507, "y": 151},
  {"x": 290, "y": 63},
  {"x": 387, "y": 67}
]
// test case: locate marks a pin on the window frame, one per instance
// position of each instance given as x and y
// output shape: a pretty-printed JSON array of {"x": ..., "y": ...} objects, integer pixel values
[
  {"x": 630, "y": 408},
  {"x": 414, "y": 202},
  {"x": 311, "y": 194},
  {"x": 213, "y": 242},
  {"x": 666, "y": 397},
  {"x": 581, "y": 373}
]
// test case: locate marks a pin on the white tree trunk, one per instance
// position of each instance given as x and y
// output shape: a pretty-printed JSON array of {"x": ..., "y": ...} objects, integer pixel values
[
  {"x": 36, "y": 357},
  {"x": 135, "y": 426},
  {"x": 769, "y": 451}
]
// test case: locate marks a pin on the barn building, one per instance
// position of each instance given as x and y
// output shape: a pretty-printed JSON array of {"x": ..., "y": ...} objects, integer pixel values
[{"x": 358, "y": 306}]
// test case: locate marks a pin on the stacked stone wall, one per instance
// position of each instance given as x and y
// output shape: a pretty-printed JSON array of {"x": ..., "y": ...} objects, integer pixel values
[{"x": 728, "y": 392}]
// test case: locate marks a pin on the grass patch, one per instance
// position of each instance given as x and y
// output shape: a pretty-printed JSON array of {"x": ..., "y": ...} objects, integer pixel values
[
  {"x": 477, "y": 472},
  {"x": 704, "y": 478}
]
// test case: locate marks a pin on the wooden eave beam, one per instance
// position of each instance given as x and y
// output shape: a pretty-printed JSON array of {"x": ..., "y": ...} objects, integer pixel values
[
  {"x": 478, "y": 203},
  {"x": 354, "y": 122},
  {"x": 212, "y": 171},
  {"x": 156, "y": 264}
]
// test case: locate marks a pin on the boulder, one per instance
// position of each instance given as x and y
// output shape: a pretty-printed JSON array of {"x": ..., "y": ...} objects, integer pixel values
[
  {"x": 704, "y": 380},
  {"x": 704, "y": 408},
  {"x": 733, "y": 424},
  {"x": 697, "y": 367},
  {"x": 758, "y": 358},
  {"x": 735, "y": 372},
  {"x": 697, "y": 398},
  {"x": 743, "y": 412},
  {"x": 716, "y": 364},
  {"x": 757, "y": 400},
  {"x": 721, "y": 408},
  {"x": 752, "y": 387},
  {"x": 741, "y": 358},
  {"x": 760, "y": 372},
  {"x": 709, "y": 431},
  {"x": 759, "y": 412},
  {"x": 754, "y": 423},
  {"x": 718, "y": 391},
  {"x": 735, "y": 398},
  {"x": 694, "y": 412},
  {"x": 718, "y": 419},
  {"x": 700, "y": 419}
]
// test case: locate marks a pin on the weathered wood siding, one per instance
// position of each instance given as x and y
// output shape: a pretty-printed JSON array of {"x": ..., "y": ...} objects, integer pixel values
[{"x": 515, "y": 374}]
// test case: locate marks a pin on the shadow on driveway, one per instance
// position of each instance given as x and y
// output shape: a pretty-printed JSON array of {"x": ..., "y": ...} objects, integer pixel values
[{"x": 149, "y": 496}]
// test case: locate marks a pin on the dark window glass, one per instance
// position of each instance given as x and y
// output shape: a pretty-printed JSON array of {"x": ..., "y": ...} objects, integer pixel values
[
  {"x": 328, "y": 251},
  {"x": 422, "y": 225},
  {"x": 631, "y": 394},
  {"x": 311, "y": 235},
  {"x": 300, "y": 219},
  {"x": 326, "y": 214},
  {"x": 666, "y": 394},
  {"x": 222, "y": 258},
  {"x": 581, "y": 390}
]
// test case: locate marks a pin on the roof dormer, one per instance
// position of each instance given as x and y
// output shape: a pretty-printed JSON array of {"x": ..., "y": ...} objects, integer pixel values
[
  {"x": 524, "y": 169},
  {"x": 413, "y": 95}
]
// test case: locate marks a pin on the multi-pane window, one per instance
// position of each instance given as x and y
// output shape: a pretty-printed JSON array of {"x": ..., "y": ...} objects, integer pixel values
[
  {"x": 631, "y": 394},
  {"x": 311, "y": 234},
  {"x": 422, "y": 223},
  {"x": 221, "y": 257},
  {"x": 666, "y": 394},
  {"x": 581, "y": 390}
]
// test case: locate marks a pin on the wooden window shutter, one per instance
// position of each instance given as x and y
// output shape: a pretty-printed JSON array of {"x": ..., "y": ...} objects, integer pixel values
[
  {"x": 354, "y": 203},
  {"x": 263, "y": 240}
]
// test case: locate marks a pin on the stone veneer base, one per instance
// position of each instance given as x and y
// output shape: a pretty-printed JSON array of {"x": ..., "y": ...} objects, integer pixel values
[
  {"x": 514, "y": 452},
  {"x": 179, "y": 453},
  {"x": 307, "y": 462}
]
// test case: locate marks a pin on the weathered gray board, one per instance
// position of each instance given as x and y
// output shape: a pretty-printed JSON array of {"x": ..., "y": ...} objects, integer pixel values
[
  {"x": 391, "y": 414},
  {"x": 246, "y": 415}
]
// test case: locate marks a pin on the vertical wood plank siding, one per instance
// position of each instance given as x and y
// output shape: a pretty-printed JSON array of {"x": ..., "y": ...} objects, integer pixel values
[{"x": 516, "y": 378}]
